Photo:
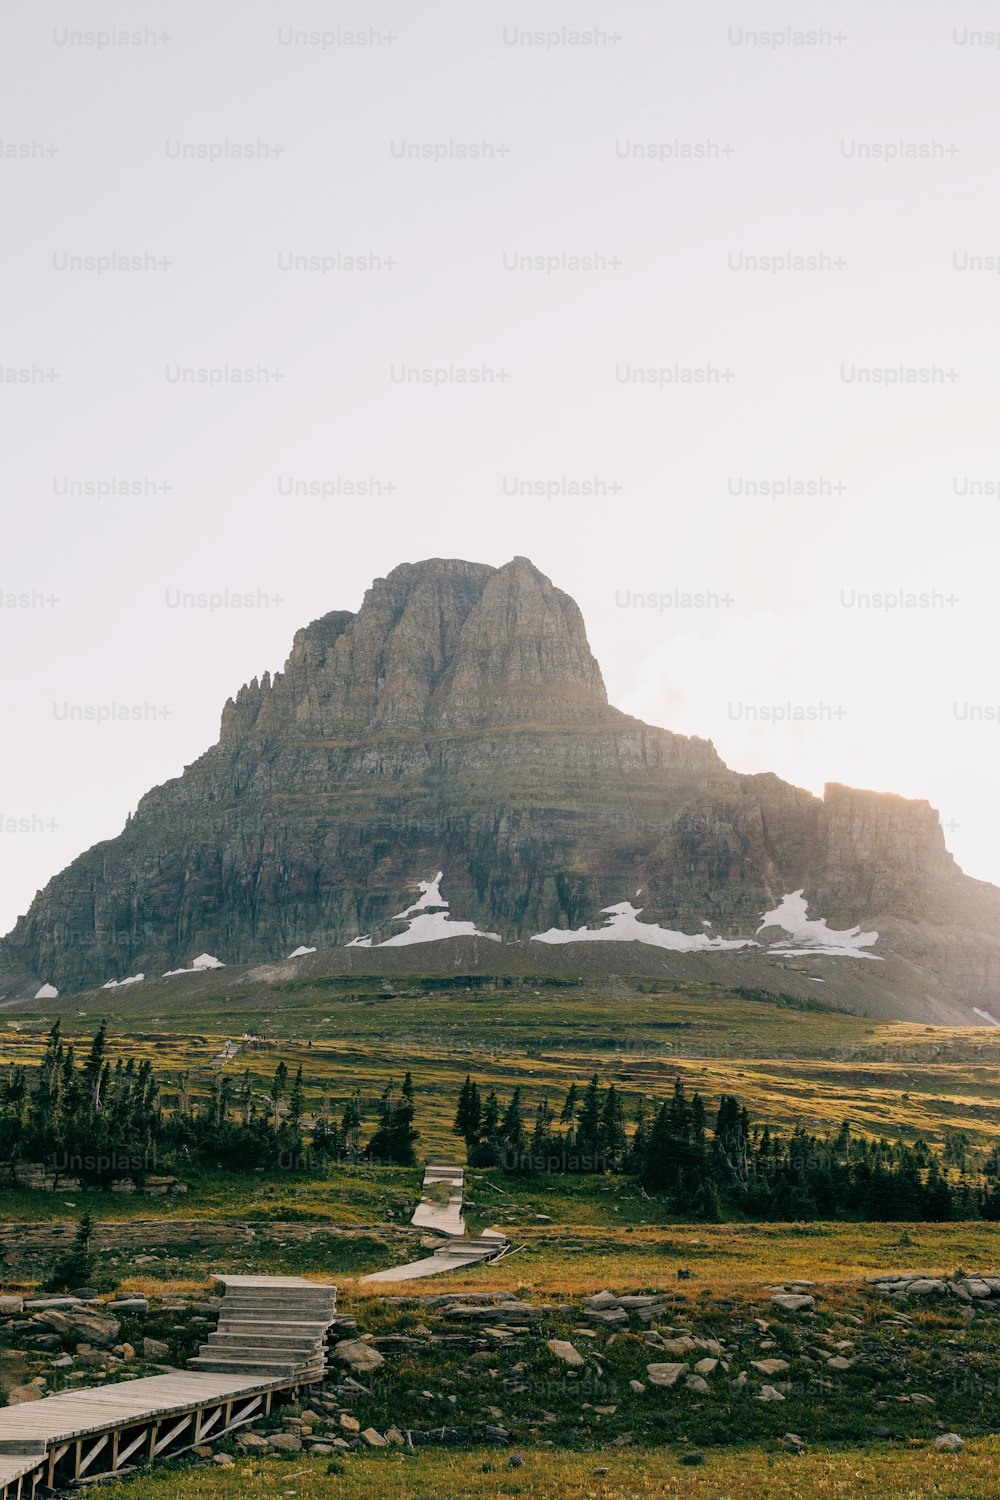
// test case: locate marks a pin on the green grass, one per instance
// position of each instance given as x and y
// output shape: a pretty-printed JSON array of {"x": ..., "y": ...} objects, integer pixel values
[{"x": 876, "y": 1471}]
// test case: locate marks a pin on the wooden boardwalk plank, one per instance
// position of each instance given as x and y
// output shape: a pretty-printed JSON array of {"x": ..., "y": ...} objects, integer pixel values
[{"x": 76, "y": 1414}]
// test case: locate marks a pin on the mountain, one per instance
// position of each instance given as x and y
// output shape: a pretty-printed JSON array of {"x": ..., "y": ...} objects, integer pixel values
[{"x": 459, "y": 723}]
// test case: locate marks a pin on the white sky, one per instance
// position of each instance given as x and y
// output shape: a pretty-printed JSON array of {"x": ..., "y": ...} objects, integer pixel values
[{"x": 681, "y": 455}]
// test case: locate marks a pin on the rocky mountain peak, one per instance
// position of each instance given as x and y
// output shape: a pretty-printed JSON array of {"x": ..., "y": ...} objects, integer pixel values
[{"x": 440, "y": 644}]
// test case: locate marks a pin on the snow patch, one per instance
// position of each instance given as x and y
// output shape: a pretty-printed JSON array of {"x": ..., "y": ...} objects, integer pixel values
[
  {"x": 814, "y": 935},
  {"x": 207, "y": 961},
  {"x": 301, "y": 952},
  {"x": 623, "y": 926},
  {"x": 203, "y": 961},
  {"x": 47, "y": 992},
  {"x": 117, "y": 984},
  {"x": 430, "y": 896},
  {"x": 985, "y": 1015},
  {"x": 428, "y": 920},
  {"x": 429, "y": 926}
]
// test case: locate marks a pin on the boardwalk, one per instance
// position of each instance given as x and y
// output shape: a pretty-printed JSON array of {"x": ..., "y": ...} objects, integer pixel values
[
  {"x": 455, "y": 1256},
  {"x": 446, "y": 1217},
  {"x": 270, "y": 1340}
]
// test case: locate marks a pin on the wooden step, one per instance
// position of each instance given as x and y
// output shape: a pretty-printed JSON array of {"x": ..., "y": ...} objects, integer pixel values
[
  {"x": 261, "y": 1353},
  {"x": 252, "y": 1364},
  {"x": 249, "y": 1335},
  {"x": 273, "y": 1325}
]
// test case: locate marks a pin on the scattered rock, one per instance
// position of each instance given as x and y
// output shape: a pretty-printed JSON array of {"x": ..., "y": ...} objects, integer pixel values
[
  {"x": 76, "y": 1323},
  {"x": 769, "y": 1393},
  {"x": 155, "y": 1349},
  {"x": 284, "y": 1442},
  {"x": 771, "y": 1366},
  {"x": 665, "y": 1375},
  {"x": 251, "y": 1442},
  {"x": 949, "y": 1442},
  {"x": 18, "y": 1394},
  {"x": 357, "y": 1356},
  {"x": 793, "y": 1301},
  {"x": 563, "y": 1349},
  {"x": 373, "y": 1439},
  {"x": 792, "y": 1443}
]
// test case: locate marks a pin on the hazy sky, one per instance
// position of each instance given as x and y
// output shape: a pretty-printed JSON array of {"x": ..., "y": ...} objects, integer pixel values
[{"x": 681, "y": 149}]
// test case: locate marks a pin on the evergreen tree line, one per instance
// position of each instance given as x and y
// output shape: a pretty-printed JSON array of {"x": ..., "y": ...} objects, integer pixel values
[
  {"x": 100, "y": 1122},
  {"x": 724, "y": 1167}
]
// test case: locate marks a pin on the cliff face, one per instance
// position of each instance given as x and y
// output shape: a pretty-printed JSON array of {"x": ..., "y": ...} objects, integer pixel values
[{"x": 459, "y": 722}]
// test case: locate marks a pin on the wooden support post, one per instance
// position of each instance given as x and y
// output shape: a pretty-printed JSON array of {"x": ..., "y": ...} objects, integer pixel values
[{"x": 115, "y": 1438}]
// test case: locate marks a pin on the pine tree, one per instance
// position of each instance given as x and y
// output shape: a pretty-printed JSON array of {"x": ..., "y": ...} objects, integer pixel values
[
  {"x": 278, "y": 1086},
  {"x": 296, "y": 1104},
  {"x": 512, "y": 1128},
  {"x": 93, "y": 1069},
  {"x": 612, "y": 1128},
  {"x": 469, "y": 1114},
  {"x": 589, "y": 1133}
]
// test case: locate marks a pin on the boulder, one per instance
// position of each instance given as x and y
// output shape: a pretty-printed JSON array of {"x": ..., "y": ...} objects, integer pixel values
[
  {"x": 507, "y": 1312},
  {"x": 949, "y": 1442},
  {"x": 769, "y": 1393},
  {"x": 665, "y": 1375},
  {"x": 793, "y": 1301},
  {"x": 978, "y": 1288},
  {"x": 373, "y": 1439},
  {"x": 251, "y": 1442},
  {"x": 284, "y": 1442},
  {"x": 81, "y": 1325},
  {"x": 611, "y": 1317},
  {"x": 358, "y": 1356},
  {"x": 563, "y": 1349},
  {"x": 155, "y": 1349},
  {"x": 18, "y": 1394},
  {"x": 682, "y": 1344},
  {"x": 601, "y": 1301},
  {"x": 925, "y": 1286},
  {"x": 771, "y": 1366}
]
